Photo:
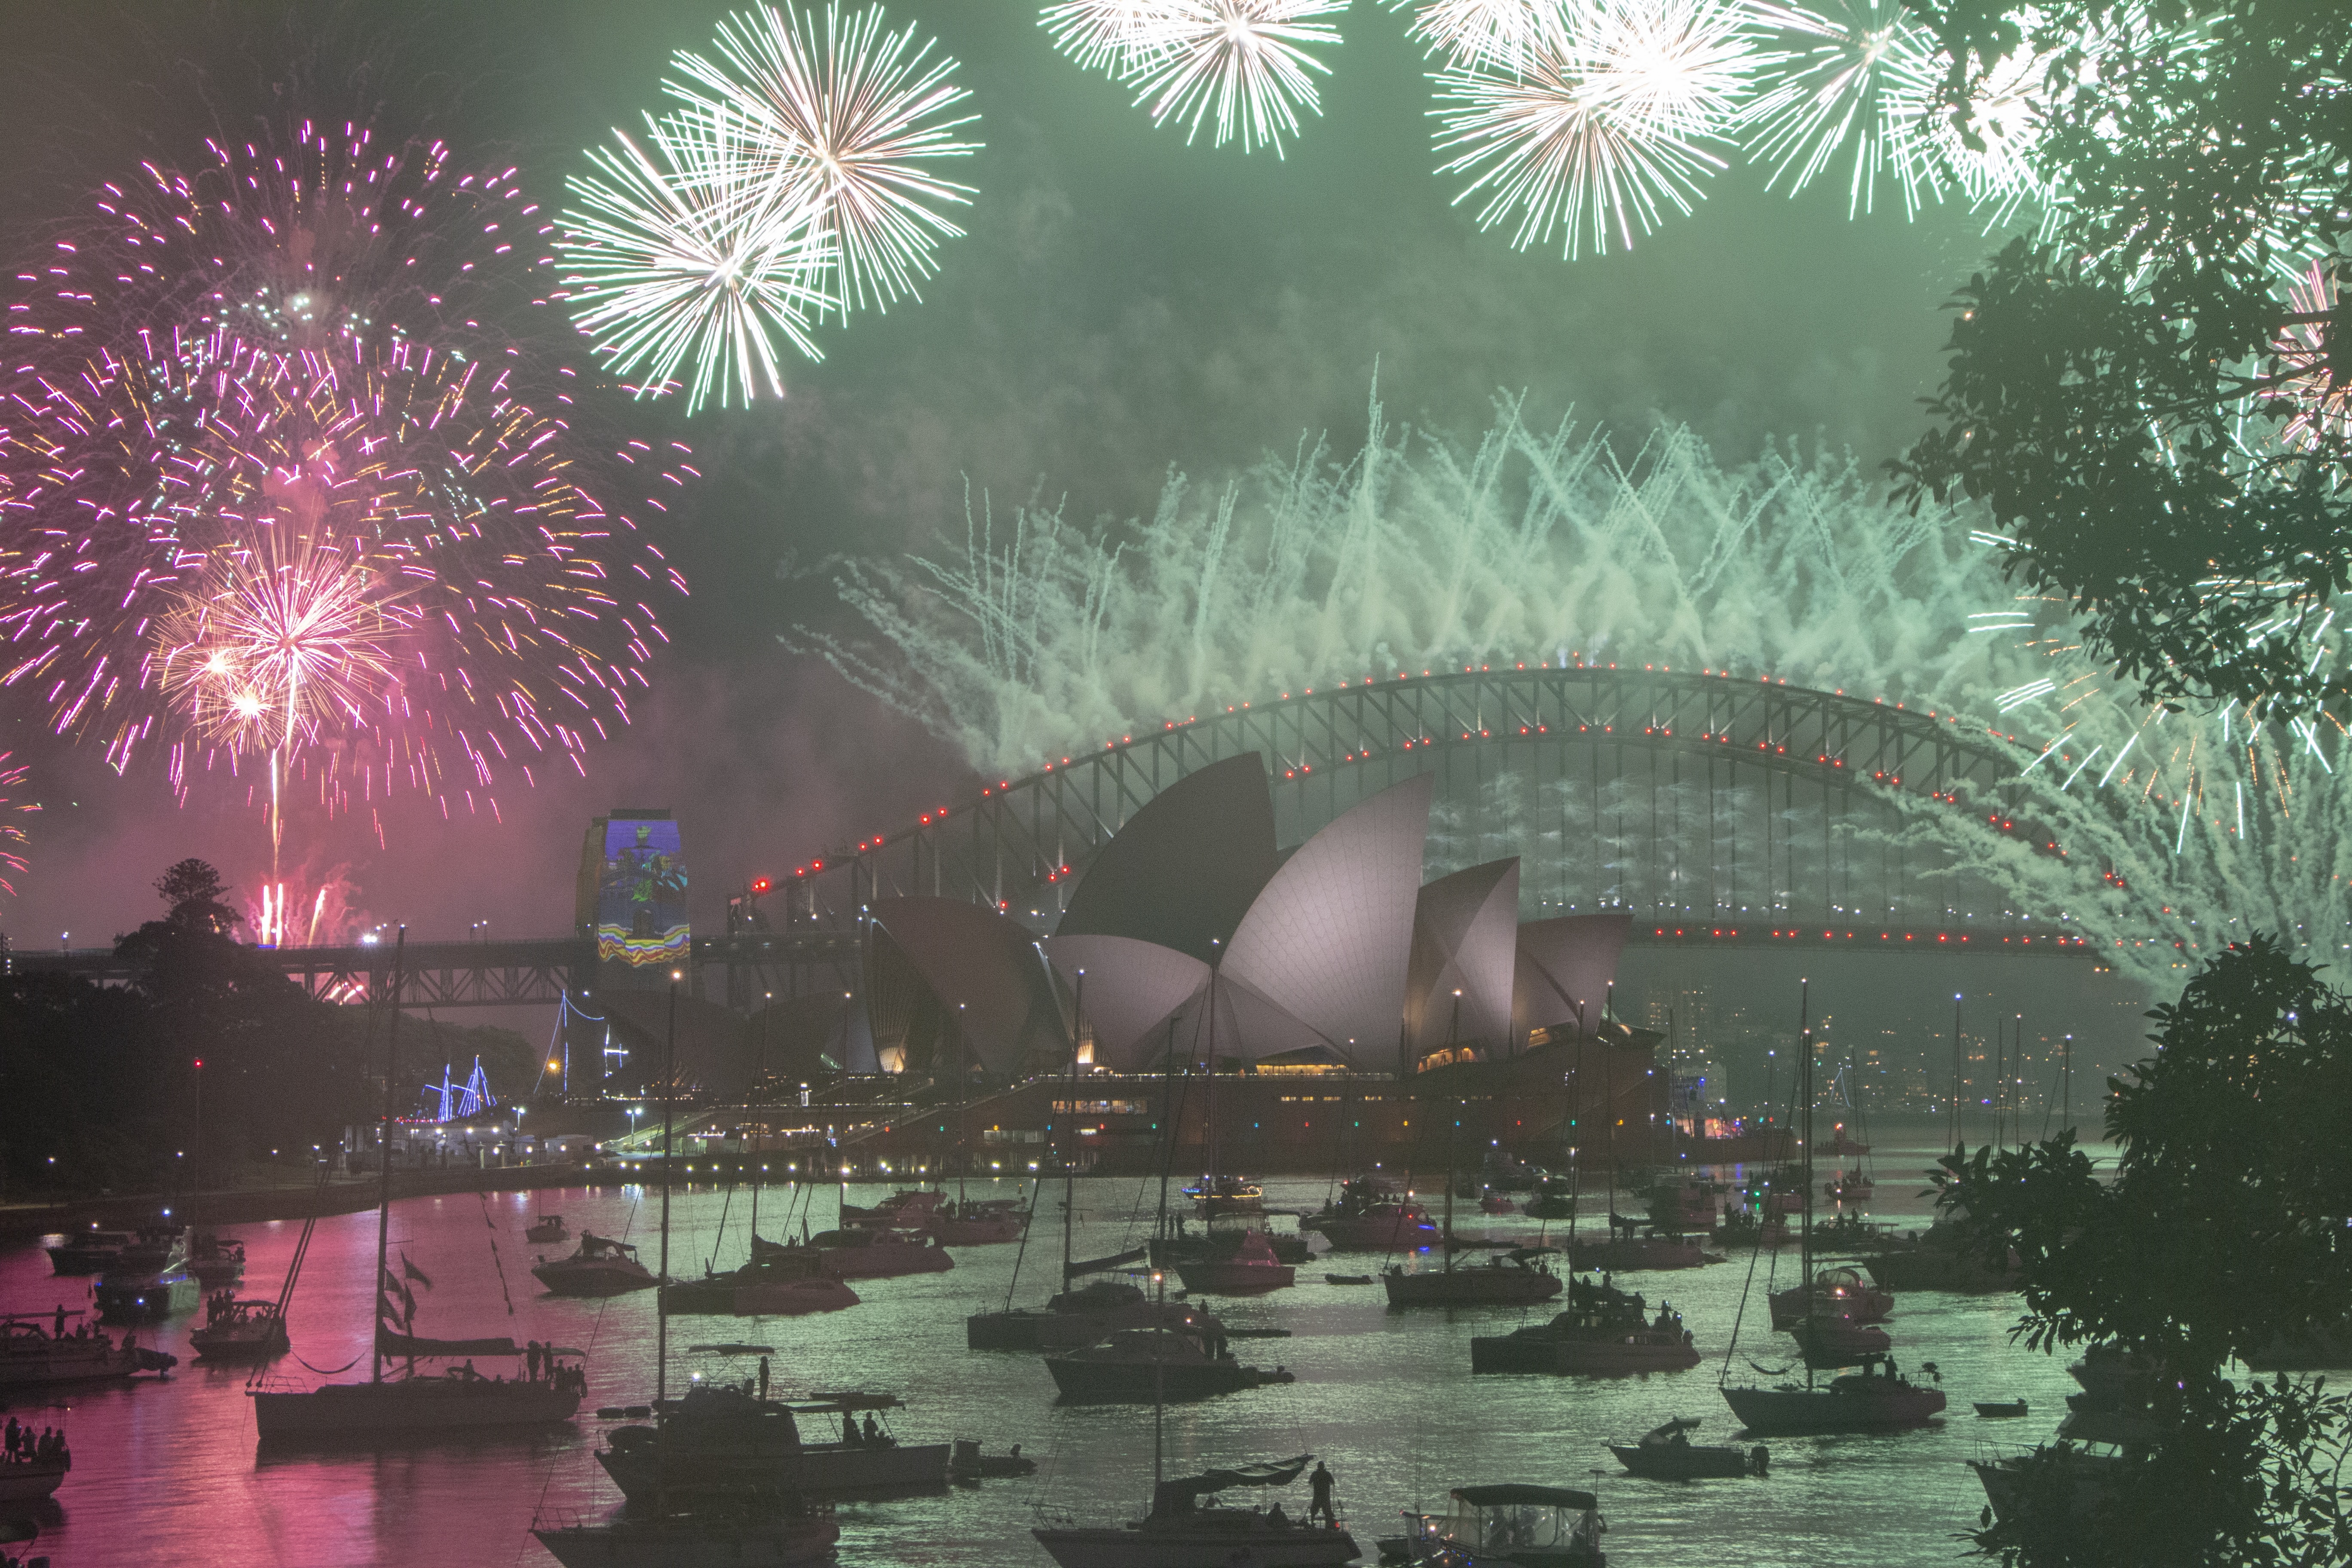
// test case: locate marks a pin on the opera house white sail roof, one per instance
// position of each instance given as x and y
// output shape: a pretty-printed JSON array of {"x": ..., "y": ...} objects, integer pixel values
[{"x": 1333, "y": 949}]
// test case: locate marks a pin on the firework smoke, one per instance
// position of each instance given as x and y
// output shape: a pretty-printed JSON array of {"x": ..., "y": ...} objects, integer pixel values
[{"x": 1040, "y": 638}]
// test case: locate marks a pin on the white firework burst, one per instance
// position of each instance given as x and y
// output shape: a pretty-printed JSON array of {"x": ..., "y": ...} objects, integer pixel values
[
  {"x": 1246, "y": 60},
  {"x": 1853, "y": 80},
  {"x": 1115, "y": 36},
  {"x": 1489, "y": 32},
  {"x": 1598, "y": 130},
  {"x": 856, "y": 117},
  {"x": 692, "y": 259}
]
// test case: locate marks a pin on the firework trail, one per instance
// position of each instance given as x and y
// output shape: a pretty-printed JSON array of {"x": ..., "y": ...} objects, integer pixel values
[
  {"x": 1593, "y": 132},
  {"x": 1248, "y": 60},
  {"x": 326, "y": 914},
  {"x": 1038, "y": 638},
  {"x": 287, "y": 373},
  {"x": 854, "y": 120},
  {"x": 13, "y": 835}
]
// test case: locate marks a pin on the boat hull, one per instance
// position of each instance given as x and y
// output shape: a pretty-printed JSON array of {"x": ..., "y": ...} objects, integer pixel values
[
  {"x": 86, "y": 1254},
  {"x": 567, "y": 1277},
  {"x": 883, "y": 1262},
  {"x": 1214, "y": 1279},
  {"x": 1796, "y": 1412},
  {"x": 984, "y": 1231},
  {"x": 1026, "y": 1328},
  {"x": 1678, "y": 1463},
  {"x": 817, "y": 1470},
  {"x": 1641, "y": 1253},
  {"x": 1791, "y": 1307},
  {"x": 1214, "y": 1544},
  {"x": 1470, "y": 1288},
  {"x": 1379, "y": 1233},
  {"x": 1925, "y": 1268},
  {"x": 688, "y": 1543},
  {"x": 75, "y": 1360},
  {"x": 21, "y": 1481},
  {"x": 147, "y": 1301},
  {"x": 792, "y": 1299},
  {"x": 1136, "y": 1383},
  {"x": 241, "y": 1344},
  {"x": 409, "y": 1409},
  {"x": 1618, "y": 1356}
]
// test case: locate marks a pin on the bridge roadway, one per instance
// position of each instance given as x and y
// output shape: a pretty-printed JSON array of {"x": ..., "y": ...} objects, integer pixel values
[{"x": 538, "y": 971}]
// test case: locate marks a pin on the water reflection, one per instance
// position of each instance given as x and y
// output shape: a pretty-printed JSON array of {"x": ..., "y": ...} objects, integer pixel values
[{"x": 1386, "y": 1398}]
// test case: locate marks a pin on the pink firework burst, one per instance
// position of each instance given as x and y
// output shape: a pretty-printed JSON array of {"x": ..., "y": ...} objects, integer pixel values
[{"x": 282, "y": 397}]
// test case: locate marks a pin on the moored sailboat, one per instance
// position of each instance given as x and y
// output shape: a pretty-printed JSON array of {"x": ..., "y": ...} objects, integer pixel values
[
  {"x": 1511, "y": 1279},
  {"x": 1182, "y": 1532},
  {"x": 417, "y": 1405},
  {"x": 753, "y": 1525},
  {"x": 1877, "y": 1398},
  {"x": 600, "y": 1267}
]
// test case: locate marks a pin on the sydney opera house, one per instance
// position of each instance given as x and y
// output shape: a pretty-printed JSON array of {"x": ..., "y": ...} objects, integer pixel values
[{"x": 1352, "y": 1014}]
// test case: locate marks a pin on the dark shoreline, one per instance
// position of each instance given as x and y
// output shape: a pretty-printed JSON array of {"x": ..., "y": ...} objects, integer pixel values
[{"x": 251, "y": 1205}]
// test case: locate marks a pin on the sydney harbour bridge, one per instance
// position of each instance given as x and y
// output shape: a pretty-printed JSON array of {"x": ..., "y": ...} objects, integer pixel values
[{"x": 1717, "y": 809}]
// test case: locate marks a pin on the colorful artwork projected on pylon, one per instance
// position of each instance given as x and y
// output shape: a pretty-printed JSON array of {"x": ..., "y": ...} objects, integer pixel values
[{"x": 641, "y": 895}]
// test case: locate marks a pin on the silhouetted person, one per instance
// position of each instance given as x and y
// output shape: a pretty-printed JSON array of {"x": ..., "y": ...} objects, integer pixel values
[
  {"x": 1320, "y": 1485},
  {"x": 763, "y": 1377}
]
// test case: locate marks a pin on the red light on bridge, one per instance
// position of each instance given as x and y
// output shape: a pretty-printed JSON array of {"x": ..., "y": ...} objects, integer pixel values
[{"x": 760, "y": 885}]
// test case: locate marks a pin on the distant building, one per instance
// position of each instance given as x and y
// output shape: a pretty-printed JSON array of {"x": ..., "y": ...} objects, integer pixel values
[
  {"x": 1328, "y": 978},
  {"x": 632, "y": 898}
]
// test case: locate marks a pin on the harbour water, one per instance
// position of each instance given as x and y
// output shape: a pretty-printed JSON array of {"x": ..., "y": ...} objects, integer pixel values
[{"x": 168, "y": 1472}]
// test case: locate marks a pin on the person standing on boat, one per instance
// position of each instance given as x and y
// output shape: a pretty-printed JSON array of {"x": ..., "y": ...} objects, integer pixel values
[
  {"x": 763, "y": 1377},
  {"x": 1320, "y": 1485}
]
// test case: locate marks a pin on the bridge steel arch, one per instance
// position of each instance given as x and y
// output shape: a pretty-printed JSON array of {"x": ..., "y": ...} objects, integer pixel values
[{"x": 1709, "y": 806}]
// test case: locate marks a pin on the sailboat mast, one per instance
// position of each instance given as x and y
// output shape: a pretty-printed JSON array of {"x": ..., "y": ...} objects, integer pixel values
[
  {"x": 384, "y": 1146},
  {"x": 2017, "y": 1072},
  {"x": 1209, "y": 1183},
  {"x": 196, "y": 1170},
  {"x": 1805, "y": 1162},
  {"x": 1069, "y": 1129},
  {"x": 1956, "y": 1072},
  {"x": 1453, "y": 1134},
  {"x": 2000, "y": 1084},
  {"x": 1672, "y": 1128},
  {"x": 1175, "y": 1114},
  {"x": 2066, "y": 1086},
  {"x": 759, "y": 1078},
  {"x": 661, "y": 1280}
]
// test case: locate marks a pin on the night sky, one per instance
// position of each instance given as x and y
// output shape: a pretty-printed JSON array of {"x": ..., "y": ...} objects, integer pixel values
[{"x": 1122, "y": 303}]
